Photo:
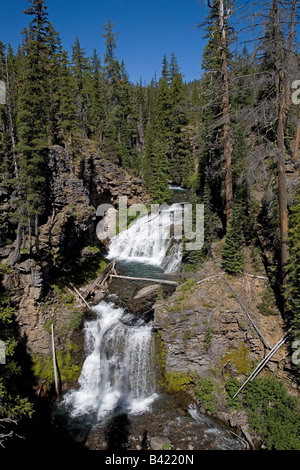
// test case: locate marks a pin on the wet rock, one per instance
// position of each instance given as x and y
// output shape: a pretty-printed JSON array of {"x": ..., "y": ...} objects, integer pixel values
[
  {"x": 160, "y": 443},
  {"x": 99, "y": 295},
  {"x": 146, "y": 291}
]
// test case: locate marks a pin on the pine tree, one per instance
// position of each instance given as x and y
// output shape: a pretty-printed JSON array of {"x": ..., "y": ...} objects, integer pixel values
[
  {"x": 68, "y": 126},
  {"x": 55, "y": 49},
  {"x": 154, "y": 167},
  {"x": 292, "y": 291},
  {"x": 216, "y": 59},
  {"x": 81, "y": 68},
  {"x": 159, "y": 189},
  {"x": 33, "y": 124},
  {"x": 112, "y": 70},
  {"x": 148, "y": 155},
  {"x": 179, "y": 150},
  {"x": 233, "y": 254},
  {"x": 112, "y": 66},
  {"x": 96, "y": 103},
  {"x": 12, "y": 405}
]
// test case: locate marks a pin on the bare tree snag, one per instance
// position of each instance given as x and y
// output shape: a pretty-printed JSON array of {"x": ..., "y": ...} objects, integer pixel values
[
  {"x": 226, "y": 116},
  {"x": 297, "y": 139}
]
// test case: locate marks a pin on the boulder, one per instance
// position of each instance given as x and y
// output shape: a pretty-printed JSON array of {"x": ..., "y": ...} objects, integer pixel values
[
  {"x": 146, "y": 291},
  {"x": 160, "y": 443}
]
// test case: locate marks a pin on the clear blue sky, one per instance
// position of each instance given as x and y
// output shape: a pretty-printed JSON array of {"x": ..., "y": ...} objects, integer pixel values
[{"x": 147, "y": 29}]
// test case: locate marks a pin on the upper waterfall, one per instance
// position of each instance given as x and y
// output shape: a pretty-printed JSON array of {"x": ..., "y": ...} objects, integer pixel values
[{"x": 152, "y": 239}]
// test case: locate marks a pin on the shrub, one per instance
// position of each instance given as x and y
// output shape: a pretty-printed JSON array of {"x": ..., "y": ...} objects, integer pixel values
[
  {"x": 267, "y": 304},
  {"x": 273, "y": 413},
  {"x": 233, "y": 253},
  {"x": 205, "y": 392}
]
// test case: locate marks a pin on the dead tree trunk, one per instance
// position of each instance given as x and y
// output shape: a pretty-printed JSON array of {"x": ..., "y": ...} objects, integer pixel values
[
  {"x": 281, "y": 177},
  {"x": 283, "y": 216},
  {"x": 287, "y": 93},
  {"x": 226, "y": 116},
  {"x": 297, "y": 139}
]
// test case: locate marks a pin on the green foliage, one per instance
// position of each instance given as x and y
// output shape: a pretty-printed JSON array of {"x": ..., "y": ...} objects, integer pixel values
[
  {"x": 42, "y": 366},
  {"x": 273, "y": 413},
  {"x": 233, "y": 255},
  {"x": 208, "y": 337},
  {"x": 176, "y": 381},
  {"x": 240, "y": 357},
  {"x": 232, "y": 386},
  {"x": 33, "y": 109},
  {"x": 292, "y": 292},
  {"x": 12, "y": 405},
  {"x": 205, "y": 392},
  {"x": 187, "y": 285},
  {"x": 75, "y": 320},
  {"x": 79, "y": 273},
  {"x": 268, "y": 302},
  {"x": 166, "y": 446},
  {"x": 5, "y": 269}
]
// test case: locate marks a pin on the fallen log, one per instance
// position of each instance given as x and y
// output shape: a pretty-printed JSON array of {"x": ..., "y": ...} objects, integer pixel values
[
  {"x": 244, "y": 307},
  {"x": 54, "y": 362},
  {"x": 80, "y": 297},
  {"x": 158, "y": 281},
  {"x": 262, "y": 364},
  {"x": 103, "y": 276}
]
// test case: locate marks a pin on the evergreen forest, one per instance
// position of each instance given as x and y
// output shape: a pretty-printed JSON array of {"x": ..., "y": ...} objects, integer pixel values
[{"x": 230, "y": 138}]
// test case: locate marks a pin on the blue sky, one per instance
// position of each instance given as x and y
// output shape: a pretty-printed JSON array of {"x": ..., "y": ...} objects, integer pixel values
[{"x": 147, "y": 29}]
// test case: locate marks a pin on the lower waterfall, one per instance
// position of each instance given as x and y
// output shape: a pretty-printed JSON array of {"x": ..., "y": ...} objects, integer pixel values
[{"x": 118, "y": 371}]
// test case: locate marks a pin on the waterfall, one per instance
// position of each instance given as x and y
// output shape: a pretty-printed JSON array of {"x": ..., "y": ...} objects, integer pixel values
[
  {"x": 118, "y": 373},
  {"x": 118, "y": 370},
  {"x": 150, "y": 240}
]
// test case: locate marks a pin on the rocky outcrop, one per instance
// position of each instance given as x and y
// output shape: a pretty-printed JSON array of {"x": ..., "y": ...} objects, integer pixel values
[
  {"x": 106, "y": 182},
  {"x": 67, "y": 237},
  {"x": 74, "y": 199},
  {"x": 206, "y": 329}
]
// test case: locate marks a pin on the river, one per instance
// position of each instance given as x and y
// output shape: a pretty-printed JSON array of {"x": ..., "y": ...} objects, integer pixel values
[{"x": 117, "y": 405}]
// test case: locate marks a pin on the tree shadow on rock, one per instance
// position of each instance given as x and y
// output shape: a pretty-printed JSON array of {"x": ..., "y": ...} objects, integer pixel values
[{"x": 117, "y": 432}]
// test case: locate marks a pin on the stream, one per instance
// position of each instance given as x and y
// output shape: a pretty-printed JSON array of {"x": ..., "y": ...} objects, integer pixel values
[{"x": 116, "y": 405}]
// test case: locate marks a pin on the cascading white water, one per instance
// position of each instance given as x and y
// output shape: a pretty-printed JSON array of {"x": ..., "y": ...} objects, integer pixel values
[
  {"x": 150, "y": 240},
  {"x": 118, "y": 371}
]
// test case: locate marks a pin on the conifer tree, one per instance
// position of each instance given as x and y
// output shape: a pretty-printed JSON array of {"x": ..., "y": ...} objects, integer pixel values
[
  {"x": 179, "y": 150},
  {"x": 68, "y": 125},
  {"x": 159, "y": 189},
  {"x": 33, "y": 113},
  {"x": 96, "y": 104},
  {"x": 292, "y": 291},
  {"x": 233, "y": 253},
  {"x": 81, "y": 68},
  {"x": 216, "y": 63},
  {"x": 112, "y": 71}
]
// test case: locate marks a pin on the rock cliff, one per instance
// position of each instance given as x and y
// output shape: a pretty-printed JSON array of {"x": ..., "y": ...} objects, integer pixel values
[
  {"x": 212, "y": 326},
  {"x": 67, "y": 240}
]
